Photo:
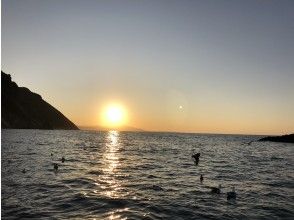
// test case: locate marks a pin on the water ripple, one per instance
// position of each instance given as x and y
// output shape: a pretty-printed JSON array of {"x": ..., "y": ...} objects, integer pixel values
[{"x": 140, "y": 175}]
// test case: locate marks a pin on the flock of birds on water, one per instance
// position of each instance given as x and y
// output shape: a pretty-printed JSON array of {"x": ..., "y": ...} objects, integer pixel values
[
  {"x": 232, "y": 195},
  {"x": 55, "y": 165}
]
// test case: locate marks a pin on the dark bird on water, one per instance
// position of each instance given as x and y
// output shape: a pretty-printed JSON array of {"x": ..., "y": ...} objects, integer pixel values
[
  {"x": 216, "y": 190},
  {"x": 62, "y": 159},
  {"x": 55, "y": 166},
  {"x": 196, "y": 158},
  {"x": 201, "y": 178},
  {"x": 232, "y": 194}
]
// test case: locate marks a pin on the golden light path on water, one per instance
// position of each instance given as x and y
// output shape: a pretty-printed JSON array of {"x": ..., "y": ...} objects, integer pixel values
[
  {"x": 110, "y": 165},
  {"x": 110, "y": 185}
]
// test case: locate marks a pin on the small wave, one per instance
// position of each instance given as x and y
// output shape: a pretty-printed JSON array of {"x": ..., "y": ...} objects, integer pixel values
[
  {"x": 44, "y": 143},
  {"x": 156, "y": 188},
  {"x": 80, "y": 182},
  {"x": 146, "y": 166},
  {"x": 96, "y": 172},
  {"x": 151, "y": 176},
  {"x": 276, "y": 158},
  {"x": 187, "y": 164},
  {"x": 281, "y": 184}
]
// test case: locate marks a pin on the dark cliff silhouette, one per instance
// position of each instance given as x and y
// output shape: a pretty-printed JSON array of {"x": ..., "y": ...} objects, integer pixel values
[
  {"x": 284, "y": 138},
  {"x": 24, "y": 109}
]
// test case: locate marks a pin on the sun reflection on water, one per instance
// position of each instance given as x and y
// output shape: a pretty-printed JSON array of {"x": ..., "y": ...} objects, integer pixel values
[
  {"x": 116, "y": 214},
  {"x": 111, "y": 165},
  {"x": 111, "y": 151}
]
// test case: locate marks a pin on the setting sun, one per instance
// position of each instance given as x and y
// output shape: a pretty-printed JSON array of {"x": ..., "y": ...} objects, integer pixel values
[{"x": 114, "y": 115}]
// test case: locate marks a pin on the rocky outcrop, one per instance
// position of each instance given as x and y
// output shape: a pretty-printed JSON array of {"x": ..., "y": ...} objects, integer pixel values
[
  {"x": 23, "y": 109},
  {"x": 284, "y": 138}
]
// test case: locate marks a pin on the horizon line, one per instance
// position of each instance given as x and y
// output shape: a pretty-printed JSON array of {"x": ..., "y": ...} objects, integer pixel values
[{"x": 84, "y": 128}]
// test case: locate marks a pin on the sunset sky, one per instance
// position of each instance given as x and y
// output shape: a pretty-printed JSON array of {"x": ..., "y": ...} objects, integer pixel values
[{"x": 188, "y": 66}]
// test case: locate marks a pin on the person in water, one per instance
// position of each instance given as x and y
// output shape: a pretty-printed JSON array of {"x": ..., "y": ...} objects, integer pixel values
[
  {"x": 196, "y": 158},
  {"x": 62, "y": 159},
  {"x": 232, "y": 194},
  {"x": 201, "y": 178}
]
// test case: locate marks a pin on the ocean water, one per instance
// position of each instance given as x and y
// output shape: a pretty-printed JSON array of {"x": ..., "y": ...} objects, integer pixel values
[{"x": 143, "y": 175}]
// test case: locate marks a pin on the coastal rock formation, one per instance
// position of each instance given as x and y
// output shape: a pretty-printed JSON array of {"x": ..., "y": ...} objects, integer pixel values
[
  {"x": 24, "y": 109},
  {"x": 284, "y": 138}
]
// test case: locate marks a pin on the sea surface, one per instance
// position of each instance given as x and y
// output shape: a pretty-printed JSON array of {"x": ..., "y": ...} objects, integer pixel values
[{"x": 143, "y": 175}]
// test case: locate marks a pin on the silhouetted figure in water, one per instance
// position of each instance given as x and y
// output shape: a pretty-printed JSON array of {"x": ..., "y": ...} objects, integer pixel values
[
  {"x": 201, "y": 178},
  {"x": 24, "y": 171},
  {"x": 51, "y": 155},
  {"x": 196, "y": 157},
  {"x": 62, "y": 159},
  {"x": 232, "y": 194},
  {"x": 55, "y": 166},
  {"x": 216, "y": 190}
]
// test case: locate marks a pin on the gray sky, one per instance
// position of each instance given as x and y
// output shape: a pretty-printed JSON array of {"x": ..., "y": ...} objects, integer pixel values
[{"x": 229, "y": 64}]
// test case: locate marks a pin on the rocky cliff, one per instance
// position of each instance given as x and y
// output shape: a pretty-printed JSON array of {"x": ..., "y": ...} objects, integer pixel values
[
  {"x": 284, "y": 138},
  {"x": 24, "y": 109}
]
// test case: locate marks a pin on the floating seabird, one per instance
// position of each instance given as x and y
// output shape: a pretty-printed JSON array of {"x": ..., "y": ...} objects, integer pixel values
[
  {"x": 55, "y": 166},
  {"x": 232, "y": 194}
]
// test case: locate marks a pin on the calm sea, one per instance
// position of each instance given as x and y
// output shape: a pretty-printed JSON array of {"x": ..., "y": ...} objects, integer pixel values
[{"x": 143, "y": 175}]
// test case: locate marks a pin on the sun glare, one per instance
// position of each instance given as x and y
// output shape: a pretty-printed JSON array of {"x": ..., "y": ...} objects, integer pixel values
[{"x": 114, "y": 115}]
